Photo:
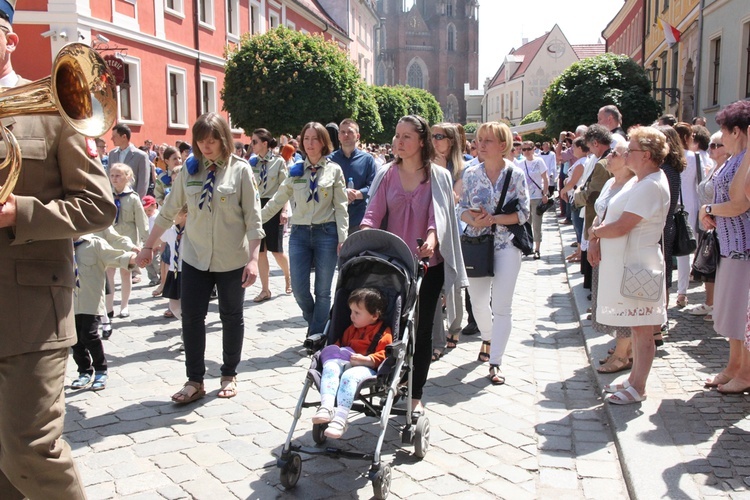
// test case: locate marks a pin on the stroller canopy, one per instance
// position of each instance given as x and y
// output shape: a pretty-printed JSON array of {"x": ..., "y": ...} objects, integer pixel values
[{"x": 381, "y": 244}]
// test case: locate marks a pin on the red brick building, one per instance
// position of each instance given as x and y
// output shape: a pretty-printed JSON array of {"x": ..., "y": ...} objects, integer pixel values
[
  {"x": 173, "y": 50},
  {"x": 624, "y": 33},
  {"x": 430, "y": 44}
]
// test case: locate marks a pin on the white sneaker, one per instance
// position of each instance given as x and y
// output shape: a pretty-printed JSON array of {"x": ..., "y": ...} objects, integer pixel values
[
  {"x": 700, "y": 310},
  {"x": 336, "y": 428},
  {"x": 323, "y": 415}
]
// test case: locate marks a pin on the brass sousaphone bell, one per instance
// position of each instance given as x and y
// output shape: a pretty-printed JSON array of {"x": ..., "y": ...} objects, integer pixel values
[{"x": 81, "y": 88}]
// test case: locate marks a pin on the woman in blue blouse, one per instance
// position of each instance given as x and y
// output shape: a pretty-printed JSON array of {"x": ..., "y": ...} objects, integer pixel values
[{"x": 480, "y": 194}]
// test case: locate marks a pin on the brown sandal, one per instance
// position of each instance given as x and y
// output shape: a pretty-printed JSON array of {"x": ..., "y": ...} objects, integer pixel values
[
  {"x": 262, "y": 297},
  {"x": 484, "y": 352},
  {"x": 228, "y": 387},
  {"x": 615, "y": 364},
  {"x": 191, "y": 391}
]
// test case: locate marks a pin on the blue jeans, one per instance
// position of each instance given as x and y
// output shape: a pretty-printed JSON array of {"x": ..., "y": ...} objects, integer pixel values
[
  {"x": 313, "y": 245},
  {"x": 577, "y": 223}
]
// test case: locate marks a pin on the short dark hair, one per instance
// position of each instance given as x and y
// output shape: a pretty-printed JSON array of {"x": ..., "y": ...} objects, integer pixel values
[
  {"x": 122, "y": 129},
  {"x": 169, "y": 151},
  {"x": 371, "y": 299},
  {"x": 598, "y": 133},
  {"x": 669, "y": 120},
  {"x": 184, "y": 146},
  {"x": 701, "y": 136},
  {"x": 581, "y": 143}
]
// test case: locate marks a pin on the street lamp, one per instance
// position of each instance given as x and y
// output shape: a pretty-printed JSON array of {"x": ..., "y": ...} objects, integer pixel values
[{"x": 673, "y": 93}]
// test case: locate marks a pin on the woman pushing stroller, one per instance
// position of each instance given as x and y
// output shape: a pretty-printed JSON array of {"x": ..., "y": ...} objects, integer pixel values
[{"x": 353, "y": 359}]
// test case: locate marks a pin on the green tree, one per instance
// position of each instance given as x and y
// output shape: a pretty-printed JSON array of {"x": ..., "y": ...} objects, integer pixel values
[
  {"x": 575, "y": 97},
  {"x": 535, "y": 116},
  {"x": 283, "y": 79},
  {"x": 422, "y": 103},
  {"x": 471, "y": 128},
  {"x": 392, "y": 105},
  {"x": 367, "y": 115}
]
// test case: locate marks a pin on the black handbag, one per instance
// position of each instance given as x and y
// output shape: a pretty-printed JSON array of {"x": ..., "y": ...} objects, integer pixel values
[
  {"x": 479, "y": 254},
  {"x": 707, "y": 257},
  {"x": 543, "y": 207},
  {"x": 684, "y": 239}
]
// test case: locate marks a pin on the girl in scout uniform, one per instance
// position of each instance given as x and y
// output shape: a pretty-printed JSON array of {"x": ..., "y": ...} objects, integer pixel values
[
  {"x": 130, "y": 221},
  {"x": 93, "y": 256},
  {"x": 270, "y": 171},
  {"x": 219, "y": 248},
  {"x": 320, "y": 222},
  {"x": 172, "y": 161}
]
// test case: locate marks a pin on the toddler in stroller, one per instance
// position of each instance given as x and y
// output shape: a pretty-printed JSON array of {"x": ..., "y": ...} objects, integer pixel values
[{"x": 353, "y": 359}]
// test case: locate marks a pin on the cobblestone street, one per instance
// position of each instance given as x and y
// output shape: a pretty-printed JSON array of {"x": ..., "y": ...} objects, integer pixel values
[{"x": 544, "y": 434}]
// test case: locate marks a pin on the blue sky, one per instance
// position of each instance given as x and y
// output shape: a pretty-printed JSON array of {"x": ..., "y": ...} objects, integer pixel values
[{"x": 503, "y": 23}]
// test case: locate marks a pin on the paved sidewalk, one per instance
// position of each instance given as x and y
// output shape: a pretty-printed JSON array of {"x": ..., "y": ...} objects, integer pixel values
[
  {"x": 684, "y": 441},
  {"x": 544, "y": 434}
]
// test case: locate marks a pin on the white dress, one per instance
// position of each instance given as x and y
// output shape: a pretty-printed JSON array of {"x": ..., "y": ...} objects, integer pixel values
[{"x": 648, "y": 198}]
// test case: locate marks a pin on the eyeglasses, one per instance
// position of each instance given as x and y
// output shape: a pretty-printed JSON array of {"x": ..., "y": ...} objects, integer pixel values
[
  {"x": 439, "y": 137},
  {"x": 527, "y": 149},
  {"x": 715, "y": 145},
  {"x": 634, "y": 150}
]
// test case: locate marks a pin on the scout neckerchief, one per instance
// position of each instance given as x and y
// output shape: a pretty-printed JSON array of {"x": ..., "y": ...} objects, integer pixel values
[
  {"x": 313, "y": 184},
  {"x": 208, "y": 187},
  {"x": 176, "y": 257},
  {"x": 118, "y": 204},
  {"x": 264, "y": 169}
]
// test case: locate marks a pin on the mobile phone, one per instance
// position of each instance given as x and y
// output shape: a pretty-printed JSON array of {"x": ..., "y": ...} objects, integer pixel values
[{"x": 475, "y": 209}]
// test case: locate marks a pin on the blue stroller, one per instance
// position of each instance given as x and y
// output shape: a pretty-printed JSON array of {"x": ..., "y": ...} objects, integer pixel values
[{"x": 373, "y": 259}]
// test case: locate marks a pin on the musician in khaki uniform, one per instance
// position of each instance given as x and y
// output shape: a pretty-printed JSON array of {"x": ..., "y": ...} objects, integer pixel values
[{"x": 61, "y": 194}]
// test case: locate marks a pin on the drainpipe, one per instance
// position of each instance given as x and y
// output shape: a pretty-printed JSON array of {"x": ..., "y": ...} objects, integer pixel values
[
  {"x": 197, "y": 45},
  {"x": 643, "y": 37},
  {"x": 697, "y": 88}
]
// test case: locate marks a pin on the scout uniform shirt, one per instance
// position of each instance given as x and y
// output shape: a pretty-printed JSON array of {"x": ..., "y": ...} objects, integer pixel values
[
  {"x": 130, "y": 220},
  {"x": 216, "y": 236},
  {"x": 93, "y": 256},
  {"x": 269, "y": 171},
  {"x": 332, "y": 202}
]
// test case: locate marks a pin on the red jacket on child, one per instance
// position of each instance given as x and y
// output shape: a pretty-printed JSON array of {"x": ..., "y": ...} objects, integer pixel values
[{"x": 360, "y": 339}]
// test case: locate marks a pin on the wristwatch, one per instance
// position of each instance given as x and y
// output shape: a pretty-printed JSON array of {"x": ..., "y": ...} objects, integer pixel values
[{"x": 708, "y": 209}]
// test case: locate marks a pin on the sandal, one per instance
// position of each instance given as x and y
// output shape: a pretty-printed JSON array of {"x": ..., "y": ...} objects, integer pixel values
[
  {"x": 451, "y": 342},
  {"x": 262, "y": 296},
  {"x": 627, "y": 396},
  {"x": 484, "y": 352},
  {"x": 682, "y": 301},
  {"x": 191, "y": 391},
  {"x": 228, "y": 387},
  {"x": 168, "y": 313},
  {"x": 436, "y": 354},
  {"x": 496, "y": 376},
  {"x": 612, "y": 388},
  {"x": 288, "y": 285},
  {"x": 615, "y": 364}
]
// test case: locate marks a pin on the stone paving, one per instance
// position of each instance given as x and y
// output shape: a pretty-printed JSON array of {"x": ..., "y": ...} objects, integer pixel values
[
  {"x": 684, "y": 441},
  {"x": 544, "y": 434}
]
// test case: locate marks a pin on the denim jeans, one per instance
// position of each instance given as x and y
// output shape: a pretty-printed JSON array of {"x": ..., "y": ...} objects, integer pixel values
[
  {"x": 196, "y": 293},
  {"x": 577, "y": 223},
  {"x": 313, "y": 245}
]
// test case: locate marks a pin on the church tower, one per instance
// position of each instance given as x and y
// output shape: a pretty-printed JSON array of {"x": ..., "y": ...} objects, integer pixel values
[{"x": 430, "y": 44}]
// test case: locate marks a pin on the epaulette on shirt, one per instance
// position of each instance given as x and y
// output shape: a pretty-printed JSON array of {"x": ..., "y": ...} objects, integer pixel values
[
  {"x": 298, "y": 169},
  {"x": 192, "y": 165}
]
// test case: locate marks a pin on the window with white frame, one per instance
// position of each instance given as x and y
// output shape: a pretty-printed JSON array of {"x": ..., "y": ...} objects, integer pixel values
[
  {"x": 516, "y": 101},
  {"x": 129, "y": 92},
  {"x": 206, "y": 13},
  {"x": 291, "y": 25},
  {"x": 208, "y": 94},
  {"x": 254, "y": 19},
  {"x": 273, "y": 20},
  {"x": 177, "y": 96},
  {"x": 174, "y": 7},
  {"x": 233, "y": 17},
  {"x": 713, "y": 70}
]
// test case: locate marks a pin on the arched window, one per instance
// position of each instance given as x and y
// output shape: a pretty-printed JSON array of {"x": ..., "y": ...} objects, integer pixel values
[
  {"x": 449, "y": 8},
  {"x": 451, "y": 78},
  {"x": 414, "y": 76},
  {"x": 451, "y": 38}
]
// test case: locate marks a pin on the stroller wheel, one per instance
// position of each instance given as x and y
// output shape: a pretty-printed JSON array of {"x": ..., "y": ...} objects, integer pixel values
[
  {"x": 291, "y": 471},
  {"x": 422, "y": 436},
  {"x": 318, "y": 433},
  {"x": 381, "y": 485}
]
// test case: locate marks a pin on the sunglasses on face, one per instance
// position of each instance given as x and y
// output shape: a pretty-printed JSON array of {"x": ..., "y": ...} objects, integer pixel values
[
  {"x": 714, "y": 145},
  {"x": 439, "y": 137},
  {"x": 527, "y": 149}
]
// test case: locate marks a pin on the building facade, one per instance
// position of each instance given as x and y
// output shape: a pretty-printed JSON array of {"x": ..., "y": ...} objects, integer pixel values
[
  {"x": 677, "y": 65},
  {"x": 173, "y": 50},
  {"x": 624, "y": 34},
  {"x": 430, "y": 44},
  {"x": 724, "y": 73},
  {"x": 518, "y": 86}
]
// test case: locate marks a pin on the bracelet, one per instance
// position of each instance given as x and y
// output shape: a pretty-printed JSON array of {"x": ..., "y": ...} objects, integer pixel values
[{"x": 146, "y": 248}]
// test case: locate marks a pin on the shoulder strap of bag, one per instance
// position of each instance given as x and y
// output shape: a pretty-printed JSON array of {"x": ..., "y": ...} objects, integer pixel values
[
  {"x": 529, "y": 176},
  {"x": 698, "y": 168}
]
